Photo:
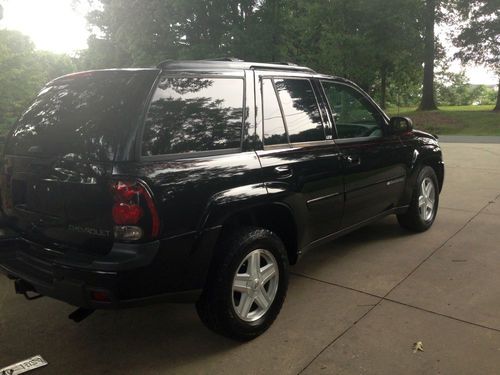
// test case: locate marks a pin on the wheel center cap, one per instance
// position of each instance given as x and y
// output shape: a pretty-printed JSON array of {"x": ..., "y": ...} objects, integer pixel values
[{"x": 254, "y": 284}]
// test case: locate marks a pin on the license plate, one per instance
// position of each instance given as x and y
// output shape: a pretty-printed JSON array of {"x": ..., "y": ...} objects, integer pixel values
[{"x": 24, "y": 366}]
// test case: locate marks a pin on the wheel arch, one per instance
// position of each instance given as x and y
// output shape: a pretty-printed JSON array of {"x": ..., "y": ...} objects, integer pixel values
[
  {"x": 438, "y": 166},
  {"x": 275, "y": 216},
  {"x": 431, "y": 159}
]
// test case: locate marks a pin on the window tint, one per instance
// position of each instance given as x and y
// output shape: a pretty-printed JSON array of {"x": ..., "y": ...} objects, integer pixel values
[
  {"x": 354, "y": 115},
  {"x": 274, "y": 128},
  {"x": 194, "y": 114},
  {"x": 300, "y": 109},
  {"x": 85, "y": 114}
]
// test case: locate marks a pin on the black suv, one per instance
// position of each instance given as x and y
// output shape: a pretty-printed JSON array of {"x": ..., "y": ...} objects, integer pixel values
[{"x": 200, "y": 181}]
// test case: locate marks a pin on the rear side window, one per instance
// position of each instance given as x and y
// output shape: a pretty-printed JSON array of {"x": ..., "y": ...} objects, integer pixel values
[
  {"x": 85, "y": 114},
  {"x": 194, "y": 114},
  {"x": 274, "y": 127},
  {"x": 301, "y": 111}
]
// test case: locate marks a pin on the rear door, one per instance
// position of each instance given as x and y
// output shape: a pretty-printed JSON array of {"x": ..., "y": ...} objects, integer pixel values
[
  {"x": 298, "y": 154},
  {"x": 374, "y": 163},
  {"x": 55, "y": 182}
]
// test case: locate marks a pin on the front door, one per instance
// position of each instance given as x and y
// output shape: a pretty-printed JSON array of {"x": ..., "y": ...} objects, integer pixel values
[{"x": 374, "y": 163}]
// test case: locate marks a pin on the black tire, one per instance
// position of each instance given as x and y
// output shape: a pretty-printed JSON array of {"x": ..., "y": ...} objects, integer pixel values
[
  {"x": 412, "y": 219},
  {"x": 215, "y": 306}
]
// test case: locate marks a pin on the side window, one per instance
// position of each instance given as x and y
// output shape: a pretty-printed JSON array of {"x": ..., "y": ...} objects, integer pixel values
[
  {"x": 301, "y": 111},
  {"x": 194, "y": 114},
  {"x": 274, "y": 127},
  {"x": 354, "y": 115}
]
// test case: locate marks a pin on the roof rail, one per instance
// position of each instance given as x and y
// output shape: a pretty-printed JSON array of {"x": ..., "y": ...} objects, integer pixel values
[
  {"x": 233, "y": 59},
  {"x": 278, "y": 65},
  {"x": 229, "y": 59},
  {"x": 233, "y": 63},
  {"x": 164, "y": 62},
  {"x": 284, "y": 63}
]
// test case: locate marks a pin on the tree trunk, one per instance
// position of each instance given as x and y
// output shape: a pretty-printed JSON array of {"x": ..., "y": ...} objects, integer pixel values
[
  {"x": 274, "y": 47},
  {"x": 383, "y": 87},
  {"x": 497, "y": 106},
  {"x": 428, "y": 102}
]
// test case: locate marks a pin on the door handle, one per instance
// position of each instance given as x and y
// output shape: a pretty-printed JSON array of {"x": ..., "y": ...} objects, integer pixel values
[
  {"x": 353, "y": 160},
  {"x": 283, "y": 171}
]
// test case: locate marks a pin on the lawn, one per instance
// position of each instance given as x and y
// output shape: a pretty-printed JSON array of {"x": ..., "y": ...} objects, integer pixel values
[{"x": 462, "y": 120}]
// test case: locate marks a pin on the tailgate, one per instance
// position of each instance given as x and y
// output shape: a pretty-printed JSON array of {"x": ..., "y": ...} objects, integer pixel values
[{"x": 56, "y": 202}]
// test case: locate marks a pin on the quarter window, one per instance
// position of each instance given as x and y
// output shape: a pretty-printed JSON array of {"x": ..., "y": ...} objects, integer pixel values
[
  {"x": 301, "y": 111},
  {"x": 194, "y": 114},
  {"x": 354, "y": 115}
]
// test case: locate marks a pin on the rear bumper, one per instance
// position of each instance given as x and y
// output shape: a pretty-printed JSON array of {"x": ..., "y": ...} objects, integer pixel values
[{"x": 130, "y": 274}]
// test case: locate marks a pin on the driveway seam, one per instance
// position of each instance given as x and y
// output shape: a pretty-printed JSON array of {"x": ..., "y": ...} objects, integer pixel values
[
  {"x": 396, "y": 286},
  {"x": 471, "y": 211},
  {"x": 397, "y": 302},
  {"x": 339, "y": 336},
  {"x": 496, "y": 170}
]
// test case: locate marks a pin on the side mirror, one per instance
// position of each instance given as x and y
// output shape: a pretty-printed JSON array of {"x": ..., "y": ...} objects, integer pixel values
[{"x": 399, "y": 125}]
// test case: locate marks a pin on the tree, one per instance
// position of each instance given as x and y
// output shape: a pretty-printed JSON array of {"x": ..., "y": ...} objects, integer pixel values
[
  {"x": 17, "y": 79},
  {"x": 454, "y": 89},
  {"x": 363, "y": 40},
  {"x": 428, "y": 102},
  {"x": 394, "y": 38},
  {"x": 479, "y": 36},
  {"x": 376, "y": 45},
  {"x": 138, "y": 33},
  {"x": 23, "y": 71}
]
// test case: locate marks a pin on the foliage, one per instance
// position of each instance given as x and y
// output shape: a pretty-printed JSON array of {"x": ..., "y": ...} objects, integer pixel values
[
  {"x": 23, "y": 71},
  {"x": 365, "y": 40},
  {"x": 454, "y": 89},
  {"x": 478, "y": 38}
]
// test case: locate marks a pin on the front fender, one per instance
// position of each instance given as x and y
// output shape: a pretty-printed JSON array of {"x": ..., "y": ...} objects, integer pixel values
[{"x": 428, "y": 154}]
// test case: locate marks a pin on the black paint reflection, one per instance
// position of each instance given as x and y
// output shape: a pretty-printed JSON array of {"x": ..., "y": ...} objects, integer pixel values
[
  {"x": 194, "y": 114},
  {"x": 274, "y": 128},
  {"x": 301, "y": 110}
]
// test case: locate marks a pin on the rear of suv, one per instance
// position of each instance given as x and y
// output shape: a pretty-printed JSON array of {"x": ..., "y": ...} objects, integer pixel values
[{"x": 200, "y": 181}]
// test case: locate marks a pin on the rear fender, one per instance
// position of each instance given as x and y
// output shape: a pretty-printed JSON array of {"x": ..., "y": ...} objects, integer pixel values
[
  {"x": 226, "y": 203},
  {"x": 258, "y": 205}
]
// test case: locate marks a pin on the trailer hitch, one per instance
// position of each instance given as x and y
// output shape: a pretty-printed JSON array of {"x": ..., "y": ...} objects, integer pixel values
[
  {"x": 80, "y": 314},
  {"x": 26, "y": 289}
]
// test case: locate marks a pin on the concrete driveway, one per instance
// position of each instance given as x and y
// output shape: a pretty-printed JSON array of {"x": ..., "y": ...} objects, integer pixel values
[{"x": 355, "y": 306}]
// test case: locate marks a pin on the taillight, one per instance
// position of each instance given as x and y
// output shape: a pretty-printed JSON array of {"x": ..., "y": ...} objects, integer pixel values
[{"x": 134, "y": 211}]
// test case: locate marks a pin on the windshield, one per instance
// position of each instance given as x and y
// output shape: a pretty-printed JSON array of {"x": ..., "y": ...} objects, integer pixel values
[{"x": 86, "y": 114}]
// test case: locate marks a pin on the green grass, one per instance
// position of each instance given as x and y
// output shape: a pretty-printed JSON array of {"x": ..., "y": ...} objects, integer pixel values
[{"x": 460, "y": 120}]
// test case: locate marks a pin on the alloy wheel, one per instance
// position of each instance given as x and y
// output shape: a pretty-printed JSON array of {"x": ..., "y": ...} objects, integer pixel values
[
  {"x": 426, "y": 199},
  {"x": 255, "y": 285}
]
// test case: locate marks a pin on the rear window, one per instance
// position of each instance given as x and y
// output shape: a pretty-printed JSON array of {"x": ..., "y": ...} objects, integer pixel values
[
  {"x": 86, "y": 114},
  {"x": 194, "y": 114}
]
